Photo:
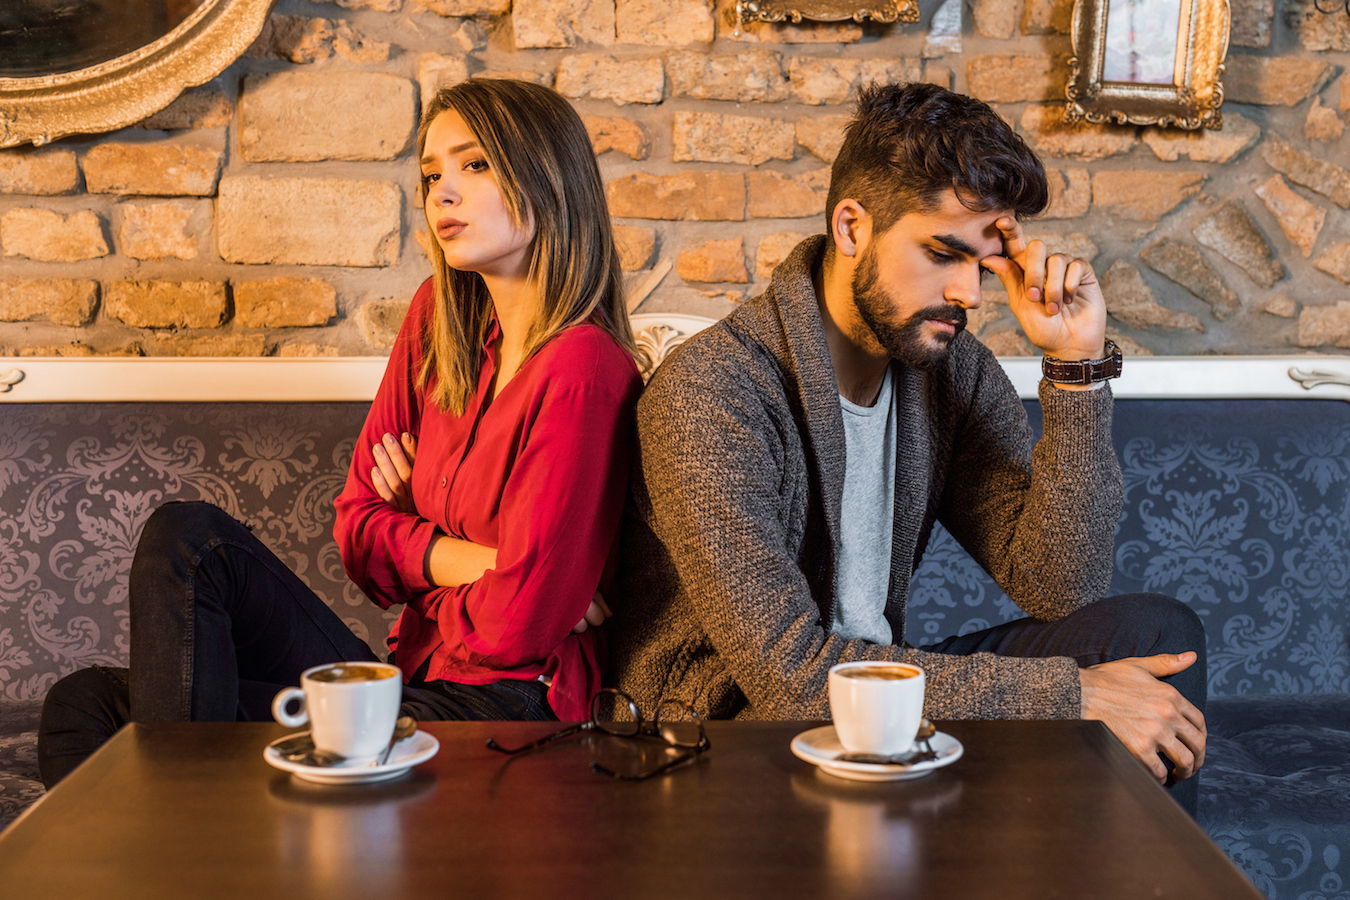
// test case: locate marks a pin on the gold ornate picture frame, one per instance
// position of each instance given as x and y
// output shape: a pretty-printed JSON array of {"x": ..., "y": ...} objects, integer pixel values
[
  {"x": 748, "y": 11},
  {"x": 126, "y": 89},
  {"x": 1121, "y": 70}
]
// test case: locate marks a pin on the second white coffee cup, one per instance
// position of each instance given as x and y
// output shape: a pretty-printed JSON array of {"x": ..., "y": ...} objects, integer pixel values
[
  {"x": 350, "y": 707},
  {"x": 876, "y": 706}
]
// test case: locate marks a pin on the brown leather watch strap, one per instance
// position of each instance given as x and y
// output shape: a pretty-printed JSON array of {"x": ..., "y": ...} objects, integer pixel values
[{"x": 1083, "y": 371}]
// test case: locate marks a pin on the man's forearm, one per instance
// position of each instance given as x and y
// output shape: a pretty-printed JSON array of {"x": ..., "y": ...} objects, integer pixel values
[{"x": 451, "y": 562}]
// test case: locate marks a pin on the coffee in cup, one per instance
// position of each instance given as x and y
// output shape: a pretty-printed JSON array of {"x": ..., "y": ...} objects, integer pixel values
[
  {"x": 876, "y": 706},
  {"x": 350, "y": 707}
]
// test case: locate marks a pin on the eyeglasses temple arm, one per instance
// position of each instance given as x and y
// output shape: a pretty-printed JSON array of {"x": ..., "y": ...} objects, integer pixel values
[{"x": 535, "y": 745}]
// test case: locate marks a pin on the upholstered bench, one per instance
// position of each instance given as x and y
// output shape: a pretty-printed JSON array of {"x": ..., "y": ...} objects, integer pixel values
[{"x": 1237, "y": 488}]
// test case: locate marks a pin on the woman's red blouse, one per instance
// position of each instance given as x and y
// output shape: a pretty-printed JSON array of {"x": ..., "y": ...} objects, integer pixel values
[{"x": 540, "y": 473}]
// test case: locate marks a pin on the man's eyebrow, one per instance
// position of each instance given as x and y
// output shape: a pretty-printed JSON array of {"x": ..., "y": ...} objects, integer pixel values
[
  {"x": 458, "y": 148},
  {"x": 956, "y": 244}
]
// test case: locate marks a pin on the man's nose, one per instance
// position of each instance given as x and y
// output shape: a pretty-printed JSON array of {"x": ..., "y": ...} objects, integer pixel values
[{"x": 964, "y": 288}]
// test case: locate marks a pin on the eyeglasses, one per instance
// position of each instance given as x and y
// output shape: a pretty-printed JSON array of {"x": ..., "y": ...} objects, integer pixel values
[{"x": 676, "y": 723}]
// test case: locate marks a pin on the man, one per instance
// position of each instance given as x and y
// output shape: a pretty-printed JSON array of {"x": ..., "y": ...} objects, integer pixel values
[{"x": 795, "y": 456}]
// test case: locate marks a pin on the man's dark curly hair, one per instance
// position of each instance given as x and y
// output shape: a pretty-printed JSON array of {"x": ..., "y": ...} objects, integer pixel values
[{"x": 910, "y": 143}]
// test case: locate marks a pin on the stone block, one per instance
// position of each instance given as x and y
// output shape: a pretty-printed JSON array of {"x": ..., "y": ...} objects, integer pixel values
[
  {"x": 227, "y": 345},
  {"x": 379, "y": 321},
  {"x": 1010, "y": 342},
  {"x": 1251, "y": 25},
  {"x": 692, "y": 196},
  {"x": 162, "y": 168},
  {"x": 622, "y": 135},
  {"x": 45, "y": 171},
  {"x": 199, "y": 107},
  {"x": 166, "y": 304},
  {"x": 157, "y": 230},
  {"x": 1185, "y": 265},
  {"x": 1144, "y": 195},
  {"x": 73, "y": 349},
  {"x": 1130, "y": 300},
  {"x": 63, "y": 301},
  {"x": 1322, "y": 122},
  {"x": 307, "y": 349},
  {"x": 598, "y": 76},
  {"x": 1046, "y": 131},
  {"x": 1130, "y": 348},
  {"x": 1320, "y": 326},
  {"x": 822, "y": 136},
  {"x": 944, "y": 31},
  {"x": 713, "y": 137},
  {"x": 1205, "y": 144},
  {"x": 995, "y": 18},
  {"x": 562, "y": 23},
  {"x": 1073, "y": 243},
  {"x": 1326, "y": 178},
  {"x": 664, "y": 23},
  {"x": 1281, "y": 305},
  {"x": 465, "y": 8},
  {"x": 284, "y": 302},
  {"x": 290, "y": 116},
  {"x": 884, "y": 70},
  {"x": 751, "y": 76},
  {"x": 773, "y": 195},
  {"x": 722, "y": 260},
  {"x": 52, "y": 237},
  {"x": 1319, "y": 31},
  {"x": 1335, "y": 261},
  {"x": 773, "y": 249},
  {"x": 822, "y": 80},
  {"x": 1231, "y": 233},
  {"x": 296, "y": 39},
  {"x": 1300, "y": 220},
  {"x": 1047, "y": 16},
  {"x": 1070, "y": 193},
  {"x": 435, "y": 72},
  {"x": 635, "y": 245},
  {"x": 309, "y": 221},
  {"x": 1273, "y": 80},
  {"x": 352, "y": 44},
  {"x": 1013, "y": 79}
]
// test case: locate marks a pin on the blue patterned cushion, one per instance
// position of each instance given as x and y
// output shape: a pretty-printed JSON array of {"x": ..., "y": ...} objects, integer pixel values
[{"x": 19, "y": 784}]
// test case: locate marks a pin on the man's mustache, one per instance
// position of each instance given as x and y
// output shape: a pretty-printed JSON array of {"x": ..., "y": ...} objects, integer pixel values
[{"x": 952, "y": 315}]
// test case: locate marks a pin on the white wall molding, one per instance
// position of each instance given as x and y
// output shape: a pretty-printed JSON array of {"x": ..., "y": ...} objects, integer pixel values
[{"x": 97, "y": 379}]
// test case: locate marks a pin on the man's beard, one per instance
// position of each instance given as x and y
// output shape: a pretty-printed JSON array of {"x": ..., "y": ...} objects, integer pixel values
[{"x": 906, "y": 341}]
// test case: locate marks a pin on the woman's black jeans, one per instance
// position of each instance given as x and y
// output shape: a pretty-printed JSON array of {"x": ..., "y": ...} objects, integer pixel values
[{"x": 218, "y": 626}]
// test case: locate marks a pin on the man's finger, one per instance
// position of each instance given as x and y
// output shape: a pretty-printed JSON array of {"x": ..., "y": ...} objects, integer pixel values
[
  {"x": 1163, "y": 664},
  {"x": 1073, "y": 277},
  {"x": 1008, "y": 272},
  {"x": 1033, "y": 268},
  {"x": 1056, "y": 267},
  {"x": 1014, "y": 241},
  {"x": 1183, "y": 760}
]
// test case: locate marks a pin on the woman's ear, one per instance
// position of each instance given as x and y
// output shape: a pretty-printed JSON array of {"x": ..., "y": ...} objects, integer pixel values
[{"x": 850, "y": 227}]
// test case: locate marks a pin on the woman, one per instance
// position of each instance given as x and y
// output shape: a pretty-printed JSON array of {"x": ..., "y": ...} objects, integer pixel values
[{"x": 486, "y": 487}]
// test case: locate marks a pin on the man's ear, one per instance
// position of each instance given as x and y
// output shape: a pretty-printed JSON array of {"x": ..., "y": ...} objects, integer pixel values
[{"x": 850, "y": 227}]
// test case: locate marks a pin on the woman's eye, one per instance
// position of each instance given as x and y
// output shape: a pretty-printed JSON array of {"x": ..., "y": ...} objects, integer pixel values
[
  {"x": 476, "y": 165},
  {"x": 430, "y": 178}
]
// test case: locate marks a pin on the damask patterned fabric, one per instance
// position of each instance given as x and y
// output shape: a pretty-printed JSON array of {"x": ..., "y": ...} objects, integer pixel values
[{"x": 1241, "y": 509}]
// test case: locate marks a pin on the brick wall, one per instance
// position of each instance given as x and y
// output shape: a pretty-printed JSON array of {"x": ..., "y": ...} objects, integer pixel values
[{"x": 270, "y": 211}]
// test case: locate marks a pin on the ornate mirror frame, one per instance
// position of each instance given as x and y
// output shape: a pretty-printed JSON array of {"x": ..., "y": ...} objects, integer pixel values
[
  {"x": 1193, "y": 101},
  {"x": 124, "y": 90},
  {"x": 748, "y": 11}
]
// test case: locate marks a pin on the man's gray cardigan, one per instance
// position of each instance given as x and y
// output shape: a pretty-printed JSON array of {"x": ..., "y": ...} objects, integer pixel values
[{"x": 727, "y": 569}]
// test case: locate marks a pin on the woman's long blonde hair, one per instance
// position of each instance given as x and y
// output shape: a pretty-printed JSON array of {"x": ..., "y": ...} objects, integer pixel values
[{"x": 541, "y": 157}]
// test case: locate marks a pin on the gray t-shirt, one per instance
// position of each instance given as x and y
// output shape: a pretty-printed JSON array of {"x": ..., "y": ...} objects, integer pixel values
[{"x": 866, "y": 518}]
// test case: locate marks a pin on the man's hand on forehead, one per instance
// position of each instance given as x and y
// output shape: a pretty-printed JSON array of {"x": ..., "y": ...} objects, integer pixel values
[{"x": 1055, "y": 297}]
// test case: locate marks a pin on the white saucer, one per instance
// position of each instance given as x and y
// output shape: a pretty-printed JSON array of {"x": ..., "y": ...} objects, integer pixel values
[
  {"x": 406, "y": 753},
  {"x": 821, "y": 747}
]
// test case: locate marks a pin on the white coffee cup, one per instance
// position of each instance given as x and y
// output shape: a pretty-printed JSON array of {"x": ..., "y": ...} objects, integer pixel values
[
  {"x": 350, "y": 707},
  {"x": 876, "y": 706}
]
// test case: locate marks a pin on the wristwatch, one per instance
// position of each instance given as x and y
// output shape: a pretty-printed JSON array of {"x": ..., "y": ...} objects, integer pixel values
[{"x": 1083, "y": 371}]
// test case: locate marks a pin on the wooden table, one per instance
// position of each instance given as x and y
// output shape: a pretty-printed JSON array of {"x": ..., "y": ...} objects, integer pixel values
[{"x": 1034, "y": 809}]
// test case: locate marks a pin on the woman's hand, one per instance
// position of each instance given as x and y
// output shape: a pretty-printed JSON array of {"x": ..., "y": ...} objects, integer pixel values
[
  {"x": 392, "y": 473},
  {"x": 596, "y": 614}
]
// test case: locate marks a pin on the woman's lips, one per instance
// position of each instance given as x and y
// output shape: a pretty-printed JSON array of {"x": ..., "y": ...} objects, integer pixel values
[{"x": 448, "y": 228}]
